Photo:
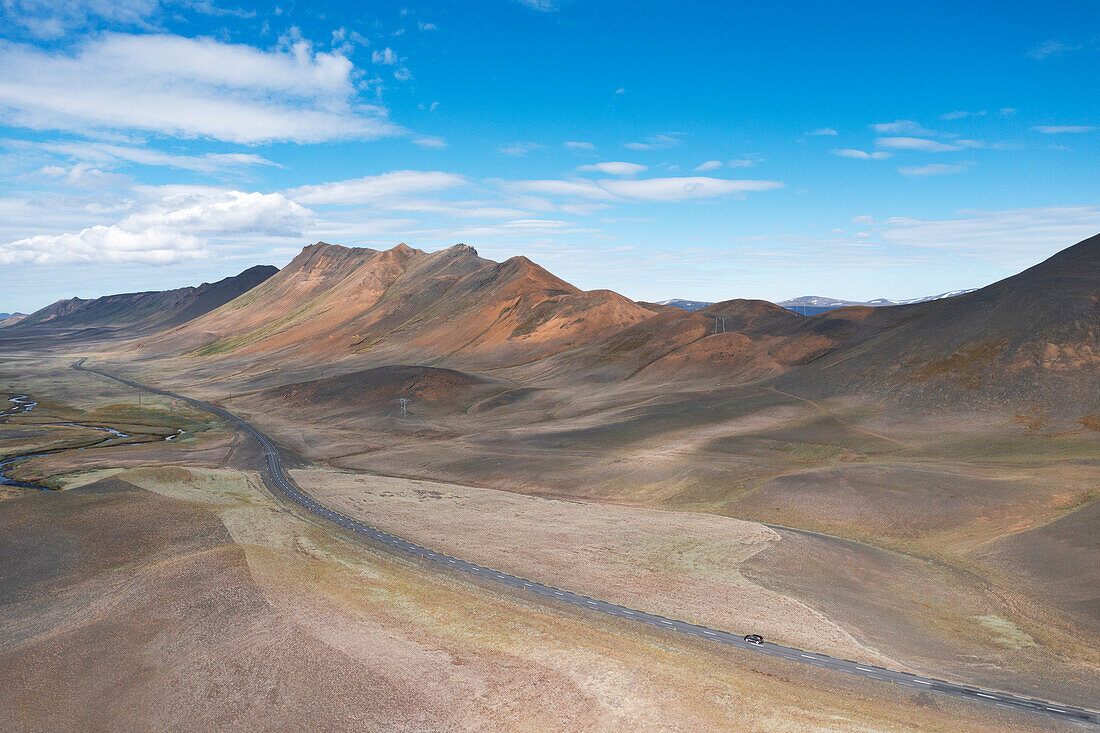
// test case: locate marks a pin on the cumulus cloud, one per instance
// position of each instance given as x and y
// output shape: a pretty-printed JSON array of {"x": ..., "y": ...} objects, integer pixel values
[
  {"x": 370, "y": 189},
  {"x": 916, "y": 143},
  {"x": 861, "y": 154},
  {"x": 1063, "y": 129},
  {"x": 614, "y": 168},
  {"x": 179, "y": 227},
  {"x": 937, "y": 169},
  {"x": 189, "y": 87}
]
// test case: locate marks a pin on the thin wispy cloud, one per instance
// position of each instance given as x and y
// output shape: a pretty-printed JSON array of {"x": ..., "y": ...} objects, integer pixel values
[
  {"x": 937, "y": 169},
  {"x": 110, "y": 154},
  {"x": 902, "y": 127},
  {"x": 916, "y": 143},
  {"x": 1063, "y": 129},
  {"x": 375, "y": 188},
  {"x": 961, "y": 114},
  {"x": 861, "y": 154},
  {"x": 1052, "y": 47},
  {"x": 614, "y": 168},
  {"x": 187, "y": 87},
  {"x": 518, "y": 149},
  {"x": 655, "y": 142}
]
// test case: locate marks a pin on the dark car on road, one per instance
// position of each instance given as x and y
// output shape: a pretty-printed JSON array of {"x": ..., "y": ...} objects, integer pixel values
[{"x": 754, "y": 638}]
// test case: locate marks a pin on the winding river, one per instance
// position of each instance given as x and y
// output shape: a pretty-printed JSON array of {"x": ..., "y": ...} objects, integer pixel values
[{"x": 23, "y": 404}]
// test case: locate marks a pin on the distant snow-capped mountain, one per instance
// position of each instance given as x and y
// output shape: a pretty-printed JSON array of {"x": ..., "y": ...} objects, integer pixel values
[
  {"x": 811, "y": 305},
  {"x": 688, "y": 305}
]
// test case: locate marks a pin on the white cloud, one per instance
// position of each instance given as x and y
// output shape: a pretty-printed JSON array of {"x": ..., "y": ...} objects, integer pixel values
[
  {"x": 542, "y": 5},
  {"x": 744, "y": 162},
  {"x": 426, "y": 26},
  {"x": 519, "y": 149},
  {"x": 679, "y": 189},
  {"x": 915, "y": 143},
  {"x": 402, "y": 74},
  {"x": 614, "y": 168},
  {"x": 579, "y": 145},
  {"x": 1008, "y": 110},
  {"x": 1013, "y": 238},
  {"x": 553, "y": 187},
  {"x": 901, "y": 127},
  {"x": 1052, "y": 47},
  {"x": 824, "y": 131},
  {"x": 655, "y": 142},
  {"x": 1062, "y": 129},
  {"x": 187, "y": 87},
  {"x": 384, "y": 56},
  {"x": 376, "y": 188},
  {"x": 179, "y": 227},
  {"x": 49, "y": 19},
  {"x": 708, "y": 165},
  {"x": 648, "y": 189},
  {"x": 860, "y": 154},
  {"x": 960, "y": 114},
  {"x": 81, "y": 175},
  {"x": 430, "y": 141},
  {"x": 106, "y": 153},
  {"x": 937, "y": 169}
]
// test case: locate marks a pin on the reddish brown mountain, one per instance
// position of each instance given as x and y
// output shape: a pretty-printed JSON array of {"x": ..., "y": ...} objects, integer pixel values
[{"x": 404, "y": 305}]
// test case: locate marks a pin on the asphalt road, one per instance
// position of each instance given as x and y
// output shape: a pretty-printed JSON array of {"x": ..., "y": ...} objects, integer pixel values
[{"x": 280, "y": 482}]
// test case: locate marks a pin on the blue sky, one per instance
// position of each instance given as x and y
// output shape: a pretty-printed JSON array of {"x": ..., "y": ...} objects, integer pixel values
[{"x": 707, "y": 151}]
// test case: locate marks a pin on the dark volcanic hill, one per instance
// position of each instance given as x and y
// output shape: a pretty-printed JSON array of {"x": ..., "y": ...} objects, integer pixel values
[
  {"x": 132, "y": 314},
  {"x": 1031, "y": 341}
]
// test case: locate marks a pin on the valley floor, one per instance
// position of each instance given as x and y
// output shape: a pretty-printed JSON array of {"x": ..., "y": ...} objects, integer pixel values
[{"x": 164, "y": 587}]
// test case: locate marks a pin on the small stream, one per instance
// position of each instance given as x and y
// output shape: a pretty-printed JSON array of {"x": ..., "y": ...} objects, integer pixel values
[{"x": 23, "y": 404}]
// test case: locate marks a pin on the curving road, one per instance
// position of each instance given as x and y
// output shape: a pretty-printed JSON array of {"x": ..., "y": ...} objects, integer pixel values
[{"x": 280, "y": 482}]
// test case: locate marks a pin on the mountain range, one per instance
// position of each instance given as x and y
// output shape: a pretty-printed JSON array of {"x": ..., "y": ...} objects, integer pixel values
[
  {"x": 811, "y": 305},
  {"x": 1026, "y": 340}
]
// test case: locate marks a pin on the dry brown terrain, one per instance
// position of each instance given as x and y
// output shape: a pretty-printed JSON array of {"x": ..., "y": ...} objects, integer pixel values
[{"x": 183, "y": 598}]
